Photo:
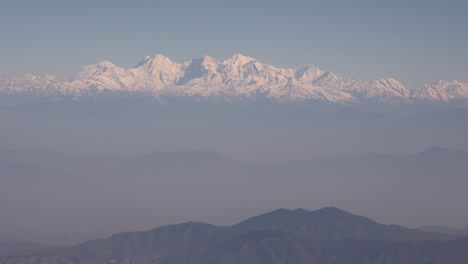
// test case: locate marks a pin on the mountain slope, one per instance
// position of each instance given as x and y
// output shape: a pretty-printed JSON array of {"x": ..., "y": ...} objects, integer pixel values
[
  {"x": 277, "y": 247},
  {"x": 167, "y": 241},
  {"x": 331, "y": 223},
  {"x": 281, "y": 236},
  {"x": 269, "y": 238},
  {"x": 237, "y": 78},
  {"x": 262, "y": 247}
]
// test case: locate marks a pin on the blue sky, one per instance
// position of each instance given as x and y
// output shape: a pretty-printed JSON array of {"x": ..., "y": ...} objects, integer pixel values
[{"x": 413, "y": 41}]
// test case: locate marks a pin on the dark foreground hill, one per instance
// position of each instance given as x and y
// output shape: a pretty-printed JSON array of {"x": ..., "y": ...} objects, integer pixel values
[
  {"x": 328, "y": 235},
  {"x": 276, "y": 247}
]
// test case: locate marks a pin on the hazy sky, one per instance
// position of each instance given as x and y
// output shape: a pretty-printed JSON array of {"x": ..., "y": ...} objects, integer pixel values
[{"x": 413, "y": 41}]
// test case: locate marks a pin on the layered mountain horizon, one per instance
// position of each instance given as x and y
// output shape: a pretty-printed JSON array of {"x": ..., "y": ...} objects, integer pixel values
[
  {"x": 213, "y": 182},
  {"x": 327, "y": 235},
  {"x": 238, "y": 78}
]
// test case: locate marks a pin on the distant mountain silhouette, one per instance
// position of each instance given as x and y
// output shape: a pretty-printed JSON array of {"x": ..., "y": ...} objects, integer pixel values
[
  {"x": 168, "y": 241},
  {"x": 439, "y": 152},
  {"x": 333, "y": 224},
  {"x": 328, "y": 235},
  {"x": 437, "y": 175}
]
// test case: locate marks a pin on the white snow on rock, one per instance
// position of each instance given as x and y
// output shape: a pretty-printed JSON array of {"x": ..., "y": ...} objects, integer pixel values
[{"x": 237, "y": 78}]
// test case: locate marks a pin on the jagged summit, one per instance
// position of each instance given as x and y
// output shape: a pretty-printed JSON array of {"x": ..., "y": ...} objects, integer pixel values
[
  {"x": 158, "y": 59},
  {"x": 238, "y": 60},
  {"x": 308, "y": 72},
  {"x": 239, "y": 77}
]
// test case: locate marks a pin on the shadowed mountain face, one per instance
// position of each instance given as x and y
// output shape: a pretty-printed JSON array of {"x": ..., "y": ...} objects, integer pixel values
[{"x": 281, "y": 236}]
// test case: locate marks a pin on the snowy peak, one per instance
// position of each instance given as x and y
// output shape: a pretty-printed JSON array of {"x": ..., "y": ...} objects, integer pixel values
[
  {"x": 238, "y": 60},
  {"x": 239, "y": 77},
  {"x": 97, "y": 68},
  {"x": 308, "y": 73},
  {"x": 209, "y": 64},
  {"x": 455, "y": 88},
  {"x": 444, "y": 91},
  {"x": 105, "y": 64},
  {"x": 159, "y": 61},
  {"x": 204, "y": 68},
  {"x": 162, "y": 61},
  {"x": 392, "y": 86},
  {"x": 157, "y": 72},
  {"x": 327, "y": 79}
]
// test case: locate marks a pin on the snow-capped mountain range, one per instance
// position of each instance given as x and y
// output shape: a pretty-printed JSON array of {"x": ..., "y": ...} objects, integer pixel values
[{"x": 237, "y": 78}]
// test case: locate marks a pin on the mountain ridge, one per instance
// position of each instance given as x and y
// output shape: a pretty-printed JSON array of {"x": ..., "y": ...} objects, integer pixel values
[
  {"x": 237, "y": 78},
  {"x": 198, "y": 242},
  {"x": 330, "y": 223}
]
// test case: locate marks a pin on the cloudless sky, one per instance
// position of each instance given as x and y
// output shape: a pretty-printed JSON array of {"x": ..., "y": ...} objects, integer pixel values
[{"x": 413, "y": 41}]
